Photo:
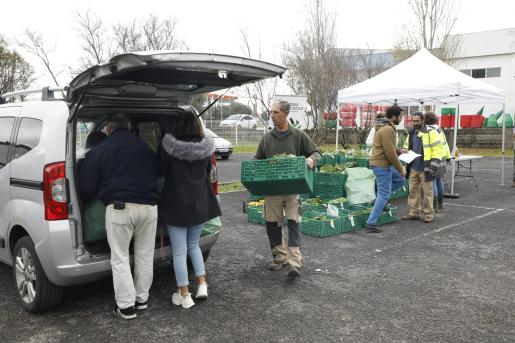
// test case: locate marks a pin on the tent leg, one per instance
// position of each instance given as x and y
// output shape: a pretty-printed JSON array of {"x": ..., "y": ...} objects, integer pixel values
[
  {"x": 452, "y": 194},
  {"x": 503, "y": 144}
]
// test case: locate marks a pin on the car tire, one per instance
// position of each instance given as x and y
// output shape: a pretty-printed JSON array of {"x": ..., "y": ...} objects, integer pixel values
[
  {"x": 35, "y": 292},
  {"x": 224, "y": 157}
]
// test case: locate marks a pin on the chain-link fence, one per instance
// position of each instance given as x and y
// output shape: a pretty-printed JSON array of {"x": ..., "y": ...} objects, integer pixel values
[{"x": 237, "y": 134}]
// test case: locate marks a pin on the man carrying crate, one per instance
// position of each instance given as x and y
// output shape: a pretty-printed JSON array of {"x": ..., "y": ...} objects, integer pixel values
[{"x": 285, "y": 139}]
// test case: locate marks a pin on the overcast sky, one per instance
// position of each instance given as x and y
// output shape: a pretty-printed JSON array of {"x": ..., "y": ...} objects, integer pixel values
[{"x": 213, "y": 26}]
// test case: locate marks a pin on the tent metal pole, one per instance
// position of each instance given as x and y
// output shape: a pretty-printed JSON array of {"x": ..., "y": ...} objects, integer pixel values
[
  {"x": 453, "y": 160},
  {"x": 337, "y": 127},
  {"x": 503, "y": 152}
]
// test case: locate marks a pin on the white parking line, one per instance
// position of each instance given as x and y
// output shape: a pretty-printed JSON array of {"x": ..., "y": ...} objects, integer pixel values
[
  {"x": 472, "y": 206},
  {"x": 441, "y": 229}
]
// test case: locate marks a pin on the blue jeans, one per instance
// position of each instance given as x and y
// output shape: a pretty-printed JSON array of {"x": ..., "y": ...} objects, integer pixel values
[
  {"x": 388, "y": 180},
  {"x": 437, "y": 188},
  {"x": 185, "y": 240}
]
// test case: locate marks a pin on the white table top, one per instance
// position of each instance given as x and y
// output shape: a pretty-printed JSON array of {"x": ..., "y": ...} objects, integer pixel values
[{"x": 468, "y": 157}]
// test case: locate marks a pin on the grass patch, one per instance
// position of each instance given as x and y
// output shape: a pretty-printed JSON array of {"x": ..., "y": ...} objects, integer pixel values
[
  {"x": 487, "y": 152},
  {"x": 230, "y": 187},
  {"x": 245, "y": 149}
]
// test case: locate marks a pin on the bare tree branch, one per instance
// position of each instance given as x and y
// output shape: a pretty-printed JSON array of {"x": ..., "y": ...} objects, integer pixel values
[
  {"x": 95, "y": 42},
  {"x": 434, "y": 21},
  {"x": 34, "y": 45}
]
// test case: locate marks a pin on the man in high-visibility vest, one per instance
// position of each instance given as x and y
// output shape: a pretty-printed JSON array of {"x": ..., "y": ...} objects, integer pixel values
[{"x": 426, "y": 142}]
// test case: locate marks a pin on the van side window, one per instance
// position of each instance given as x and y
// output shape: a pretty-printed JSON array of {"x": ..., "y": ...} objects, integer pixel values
[
  {"x": 6, "y": 127},
  {"x": 28, "y": 137}
]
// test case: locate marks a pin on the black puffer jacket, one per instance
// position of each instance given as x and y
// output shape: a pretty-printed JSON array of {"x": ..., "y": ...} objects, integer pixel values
[{"x": 188, "y": 197}]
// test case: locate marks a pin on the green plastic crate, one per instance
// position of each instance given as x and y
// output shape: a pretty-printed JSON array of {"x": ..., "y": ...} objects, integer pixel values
[
  {"x": 277, "y": 176},
  {"x": 329, "y": 158},
  {"x": 255, "y": 215},
  {"x": 388, "y": 217},
  {"x": 328, "y": 185},
  {"x": 361, "y": 162},
  {"x": 351, "y": 221},
  {"x": 401, "y": 192},
  {"x": 320, "y": 228}
]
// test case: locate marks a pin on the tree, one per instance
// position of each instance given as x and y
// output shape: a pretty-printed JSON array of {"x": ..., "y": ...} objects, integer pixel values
[
  {"x": 315, "y": 67},
  {"x": 34, "y": 44},
  {"x": 260, "y": 93},
  {"x": 15, "y": 72},
  {"x": 431, "y": 28},
  {"x": 100, "y": 43},
  {"x": 96, "y": 46}
]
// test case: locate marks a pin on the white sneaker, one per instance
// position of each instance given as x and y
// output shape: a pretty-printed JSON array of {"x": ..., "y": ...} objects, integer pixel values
[
  {"x": 184, "y": 301},
  {"x": 201, "y": 291}
]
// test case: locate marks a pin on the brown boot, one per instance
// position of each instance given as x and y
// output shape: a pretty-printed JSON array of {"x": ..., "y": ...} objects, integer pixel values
[
  {"x": 429, "y": 219},
  {"x": 411, "y": 217}
]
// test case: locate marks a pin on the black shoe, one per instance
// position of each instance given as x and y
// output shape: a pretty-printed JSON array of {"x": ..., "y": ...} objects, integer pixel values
[
  {"x": 141, "y": 306},
  {"x": 293, "y": 272},
  {"x": 370, "y": 228},
  {"x": 125, "y": 313}
]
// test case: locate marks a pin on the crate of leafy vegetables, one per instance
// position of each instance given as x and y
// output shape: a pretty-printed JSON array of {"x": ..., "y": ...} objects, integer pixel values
[
  {"x": 255, "y": 212},
  {"x": 320, "y": 225},
  {"x": 329, "y": 181},
  {"x": 283, "y": 174}
]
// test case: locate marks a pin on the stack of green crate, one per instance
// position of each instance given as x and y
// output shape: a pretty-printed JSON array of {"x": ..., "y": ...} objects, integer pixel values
[
  {"x": 255, "y": 215},
  {"x": 401, "y": 192},
  {"x": 320, "y": 225},
  {"x": 275, "y": 176},
  {"x": 361, "y": 162},
  {"x": 388, "y": 217},
  {"x": 330, "y": 158},
  {"x": 329, "y": 185}
]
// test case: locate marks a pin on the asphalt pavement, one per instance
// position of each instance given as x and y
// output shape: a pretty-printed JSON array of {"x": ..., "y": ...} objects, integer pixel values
[
  {"x": 229, "y": 170},
  {"x": 449, "y": 281}
]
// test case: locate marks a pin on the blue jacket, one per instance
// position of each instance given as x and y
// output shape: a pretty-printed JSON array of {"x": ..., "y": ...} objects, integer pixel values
[{"x": 121, "y": 168}]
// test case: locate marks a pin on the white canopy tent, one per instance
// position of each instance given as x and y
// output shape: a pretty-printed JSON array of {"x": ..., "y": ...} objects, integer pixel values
[{"x": 424, "y": 79}]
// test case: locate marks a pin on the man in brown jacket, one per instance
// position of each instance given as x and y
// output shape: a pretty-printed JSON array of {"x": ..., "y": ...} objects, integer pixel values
[{"x": 385, "y": 164}]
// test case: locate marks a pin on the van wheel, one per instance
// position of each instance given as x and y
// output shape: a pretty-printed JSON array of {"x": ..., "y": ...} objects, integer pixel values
[{"x": 35, "y": 292}]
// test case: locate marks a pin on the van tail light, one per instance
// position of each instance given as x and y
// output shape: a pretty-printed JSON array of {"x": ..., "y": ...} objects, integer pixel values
[
  {"x": 214, "y": 175},
  {"x": 54, "y": 191}
]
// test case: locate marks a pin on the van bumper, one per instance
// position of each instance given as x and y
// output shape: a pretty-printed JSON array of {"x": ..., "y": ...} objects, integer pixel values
[{"x": 62, "y": 269}]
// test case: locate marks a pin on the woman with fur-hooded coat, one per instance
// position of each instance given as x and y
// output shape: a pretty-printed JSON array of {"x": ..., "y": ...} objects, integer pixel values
[{"x": 188, "y": 200}]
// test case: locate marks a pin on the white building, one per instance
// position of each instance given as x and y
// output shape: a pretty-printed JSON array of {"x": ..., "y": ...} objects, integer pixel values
[{"x": 489, "y": 56}]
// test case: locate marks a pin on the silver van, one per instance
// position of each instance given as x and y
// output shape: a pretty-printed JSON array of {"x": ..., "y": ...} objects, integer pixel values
[{"x": 43, "y": 234}]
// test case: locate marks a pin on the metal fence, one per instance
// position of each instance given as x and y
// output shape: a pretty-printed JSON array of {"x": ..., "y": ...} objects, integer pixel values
[{"x": 236, "y": 134}]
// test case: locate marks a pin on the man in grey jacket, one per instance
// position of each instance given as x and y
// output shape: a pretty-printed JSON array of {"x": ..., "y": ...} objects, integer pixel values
[{"x": 285, "y": 139}]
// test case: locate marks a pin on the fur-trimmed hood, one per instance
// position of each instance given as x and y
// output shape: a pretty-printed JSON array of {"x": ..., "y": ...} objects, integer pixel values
[{"x": 190, "y": 151}]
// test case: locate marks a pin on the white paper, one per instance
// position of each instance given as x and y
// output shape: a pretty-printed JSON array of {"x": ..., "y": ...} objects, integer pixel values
[{"x": 409, "y": 156}]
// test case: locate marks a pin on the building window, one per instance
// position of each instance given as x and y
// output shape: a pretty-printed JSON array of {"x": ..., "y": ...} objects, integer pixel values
[
  {"x": 479, "y": 73},
  {"x": 493, "y": 72}
]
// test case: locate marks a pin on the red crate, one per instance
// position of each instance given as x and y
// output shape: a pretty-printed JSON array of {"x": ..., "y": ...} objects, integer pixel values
[
  {"x": 348, "y": 108},
  {"x": 477, "y": 121},
  {"x": 347, "y": 123},
  {"x": 347, "y": 115},
  {"x": 330, "y": 115},
  {"x": 446, "y": 121},
  {"x": 465, "y": 120}
]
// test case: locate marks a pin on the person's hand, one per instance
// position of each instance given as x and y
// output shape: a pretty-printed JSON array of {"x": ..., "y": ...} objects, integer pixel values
[
  {"x": 403, "y": 172},
  {"x": 310, "y": 162},
  {"x": 404, "y": 151}
]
